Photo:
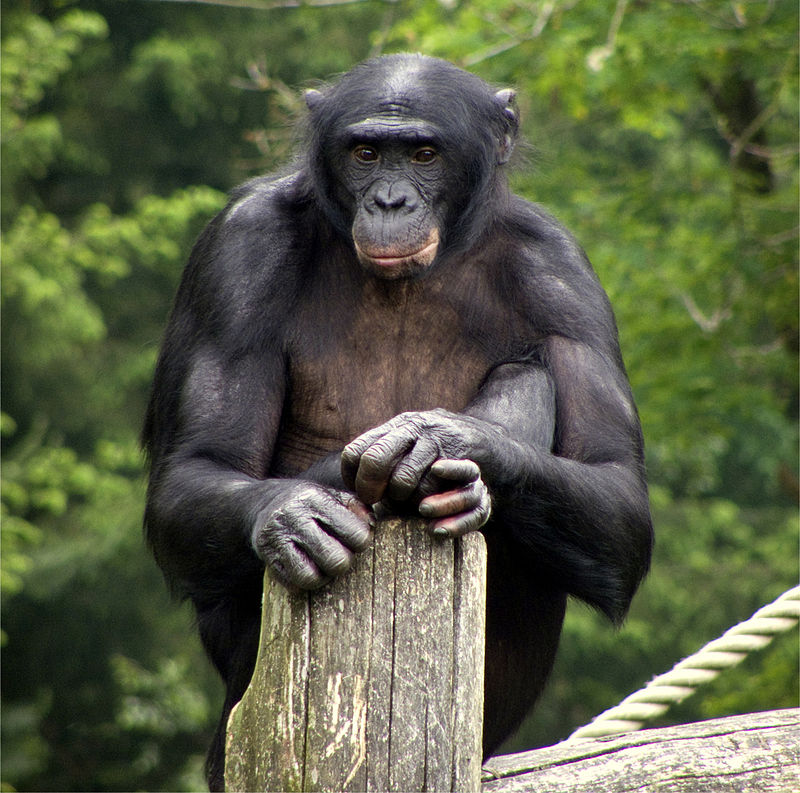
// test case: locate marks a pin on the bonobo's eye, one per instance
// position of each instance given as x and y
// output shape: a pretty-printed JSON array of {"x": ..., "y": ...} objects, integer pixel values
[
  {"x": 424, "y": 156},
  {"x": 365, "y": 154}
]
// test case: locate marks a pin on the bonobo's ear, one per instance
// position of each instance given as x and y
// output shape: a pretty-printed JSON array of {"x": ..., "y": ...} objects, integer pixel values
[
  {"x": 313, "y": 98},
  {"x": 506, "y": 97}
]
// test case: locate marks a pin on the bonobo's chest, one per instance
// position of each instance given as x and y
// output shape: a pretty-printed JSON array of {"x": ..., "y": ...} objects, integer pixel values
[{"x": 353, "y": 372}]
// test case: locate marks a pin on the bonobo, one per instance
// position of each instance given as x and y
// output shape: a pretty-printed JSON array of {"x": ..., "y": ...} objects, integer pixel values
[{"x": 384, "y": 323}]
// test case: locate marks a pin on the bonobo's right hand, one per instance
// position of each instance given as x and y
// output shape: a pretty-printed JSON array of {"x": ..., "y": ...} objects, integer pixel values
[{"x": 309, "y": 534}]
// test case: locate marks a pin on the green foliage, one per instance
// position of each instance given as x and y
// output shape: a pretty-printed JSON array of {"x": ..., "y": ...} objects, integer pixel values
[
  {"x": 665, "y": 137},
  {"x": 184, "y": 71},
  {"x": 160, "y": 703},
  {"x": 35, "y": 55}
]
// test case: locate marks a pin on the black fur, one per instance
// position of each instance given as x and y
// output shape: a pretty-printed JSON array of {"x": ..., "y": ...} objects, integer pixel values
[{"x": 388, "y": 297}]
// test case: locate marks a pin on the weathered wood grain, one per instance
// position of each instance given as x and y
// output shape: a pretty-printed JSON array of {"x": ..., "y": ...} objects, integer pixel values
[
  {"x": 374, "y": 683},
  {"x": 758, "y": 753}
]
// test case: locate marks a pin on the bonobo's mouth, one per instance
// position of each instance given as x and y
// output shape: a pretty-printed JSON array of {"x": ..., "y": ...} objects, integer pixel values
[{"x": 395, "y": 262}]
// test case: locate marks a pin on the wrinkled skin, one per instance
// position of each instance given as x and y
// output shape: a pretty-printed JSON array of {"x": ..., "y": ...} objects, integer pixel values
[
  {"x": 396, "y": 188},
  {"x": 387, "y": 329},
  {"x": 311, "y": 535}
]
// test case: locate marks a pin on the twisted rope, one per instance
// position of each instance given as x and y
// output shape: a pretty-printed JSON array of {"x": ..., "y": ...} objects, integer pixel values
[{"x": 687, "y": 675}]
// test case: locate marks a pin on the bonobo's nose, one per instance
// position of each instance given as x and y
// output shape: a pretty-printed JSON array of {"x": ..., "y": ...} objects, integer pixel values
[
  {"x": 390, "y": 201},
  {"x": 388, "y": 196}
]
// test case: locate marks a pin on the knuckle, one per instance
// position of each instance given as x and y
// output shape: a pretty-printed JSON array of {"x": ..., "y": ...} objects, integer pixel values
[
  {"x": 304, "y": 498},
  {"x": 374, "y": 457},
  {"x": 291, "y": 567},
  {"x": 350, "y": 521},
  {"x": 362, "y": 539},
  {"x": 463, "y": 524},
  {"x": 263, "y": 543},
  {"x": 333, "y": 559},
  {"x": 405, "y": 477},
  {"x": 472, "y": 471},
  {"x": 340, "y": 562},
  {"x": 411, "y": 420},
  {"x": 355, "y": 533},
  {"x": 307, "y": 578}
]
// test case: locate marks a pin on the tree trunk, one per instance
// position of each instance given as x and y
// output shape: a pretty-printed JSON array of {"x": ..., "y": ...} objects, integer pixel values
[{"x": 374, "y": 683}]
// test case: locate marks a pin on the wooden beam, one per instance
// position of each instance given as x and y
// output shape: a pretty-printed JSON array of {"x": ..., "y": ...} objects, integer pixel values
[{"x": 758, "y": 752}]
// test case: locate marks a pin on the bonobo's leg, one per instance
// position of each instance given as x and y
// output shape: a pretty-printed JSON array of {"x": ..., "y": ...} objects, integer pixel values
[
  {"x": 230, "y": 633},
  {"x": 524, "y": 615}
]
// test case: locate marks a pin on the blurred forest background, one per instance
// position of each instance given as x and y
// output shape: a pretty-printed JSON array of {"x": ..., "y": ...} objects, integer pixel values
[{"x": 662, "y": 132}]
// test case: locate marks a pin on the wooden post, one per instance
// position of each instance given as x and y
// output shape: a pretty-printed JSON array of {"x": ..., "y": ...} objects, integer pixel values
[{"x": 374, "y": 683}]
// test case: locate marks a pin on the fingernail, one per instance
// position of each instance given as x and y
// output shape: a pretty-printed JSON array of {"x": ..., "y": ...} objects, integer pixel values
[
  {"x": 440, "y": 531},
  {"x": 426, "y": 510}
]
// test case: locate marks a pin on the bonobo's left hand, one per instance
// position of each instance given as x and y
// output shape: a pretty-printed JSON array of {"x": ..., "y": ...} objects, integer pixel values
[
  {"x": 421, "y": 459},
  {"x": 456, "y": 511}
]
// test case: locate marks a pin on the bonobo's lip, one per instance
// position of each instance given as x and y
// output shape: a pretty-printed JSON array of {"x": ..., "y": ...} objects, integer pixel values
[{"x": 422, "y": 257}]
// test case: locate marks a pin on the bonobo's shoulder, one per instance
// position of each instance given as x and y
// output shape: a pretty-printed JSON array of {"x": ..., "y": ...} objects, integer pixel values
[
  {"x": 242, "y": 265},
  {"x": 252, "y": 236},
  {"x": 540, "y": 233},
  {"x": 562, "y": 287},
  {"x": 546, "y": 249},
  {"x": 265, "y": 200}
]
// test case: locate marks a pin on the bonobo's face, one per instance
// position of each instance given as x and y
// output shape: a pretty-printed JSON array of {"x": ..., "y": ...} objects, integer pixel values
[
  {"x": 404, "y": 151},
  {"x": 393, "y": 177}
]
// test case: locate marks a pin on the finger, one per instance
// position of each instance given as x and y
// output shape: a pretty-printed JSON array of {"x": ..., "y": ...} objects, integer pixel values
[
  {"x": 352, "y": 453},
  {"x": 445, "y": 471},
  {"x": 294, "y": 569},
  {"x": 458, "y": 525},
  {"x": 324, "y": 551},
  {"x": 411, "y": 468},
  {"x": 453, "y": 502},
  {"x": 349, "y": 521},
  {"x": 350, "y": 460},
  {"x": 461, "y": 523},
  {"x": 377, "y": 465},
  {"x": 456, "y": 470}
]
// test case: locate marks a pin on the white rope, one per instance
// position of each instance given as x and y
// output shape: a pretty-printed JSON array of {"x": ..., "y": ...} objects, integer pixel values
[{"x": 681, "y": 681}]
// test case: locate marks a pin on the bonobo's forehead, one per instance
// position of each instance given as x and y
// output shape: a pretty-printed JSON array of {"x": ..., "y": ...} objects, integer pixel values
[
  {"x": 409, "y": 86},
  {"x": 402, "y": 76},
  {"x": 395, "y": 127}
]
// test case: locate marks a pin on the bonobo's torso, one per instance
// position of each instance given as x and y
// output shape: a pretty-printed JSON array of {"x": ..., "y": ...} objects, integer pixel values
[{"x": 403, "y": 347}]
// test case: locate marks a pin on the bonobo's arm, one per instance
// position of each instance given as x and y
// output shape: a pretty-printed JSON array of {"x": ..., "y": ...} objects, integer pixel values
[
  {"x": 574, "y": 494},
  {"x": 212, "y": 516},
  {"x": 413, "y": 472}
]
